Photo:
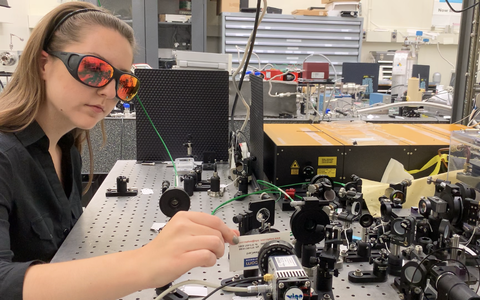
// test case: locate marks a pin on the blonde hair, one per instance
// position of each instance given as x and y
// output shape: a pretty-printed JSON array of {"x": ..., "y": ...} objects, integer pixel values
[{"x": 25, "y": 92}]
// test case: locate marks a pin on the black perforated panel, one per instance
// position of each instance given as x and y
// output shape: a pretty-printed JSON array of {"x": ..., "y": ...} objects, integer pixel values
[
  {"x": 256, "y": 125},
  {"x": 182, "y": 103}
]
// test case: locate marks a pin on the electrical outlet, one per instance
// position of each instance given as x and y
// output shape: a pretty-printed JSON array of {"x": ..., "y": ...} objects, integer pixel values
[{"x": 394, "y": 36}]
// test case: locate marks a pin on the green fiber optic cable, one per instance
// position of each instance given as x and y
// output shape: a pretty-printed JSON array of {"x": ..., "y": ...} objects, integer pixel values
[
  {"x": 258, "y": 192},
  {"x": 100, "y": 5},
  {"x": 272, "y": 186},
  {"x": 279, "y": 197},
  {"x": 293, "y": 184},
  {"x": 339, "y": 183},
  {"x": 240, "y": 197},
  {"x": 153, "y": 125}
]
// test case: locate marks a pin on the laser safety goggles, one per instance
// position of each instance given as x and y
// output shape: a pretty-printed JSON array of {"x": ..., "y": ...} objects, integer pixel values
[{"x": 96, "y": 72}]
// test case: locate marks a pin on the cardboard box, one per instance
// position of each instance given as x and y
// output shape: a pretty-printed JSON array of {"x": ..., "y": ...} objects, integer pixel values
[
  {"x": 228, "y": 6},
  {"x": 307, "y": 12},
  {"x": 331, "y": 1}
]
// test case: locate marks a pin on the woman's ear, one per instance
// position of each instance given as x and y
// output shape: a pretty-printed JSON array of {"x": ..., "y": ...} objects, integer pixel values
[{"x": 43, "y": 61}]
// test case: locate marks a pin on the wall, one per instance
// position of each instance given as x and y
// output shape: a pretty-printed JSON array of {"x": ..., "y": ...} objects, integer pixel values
[
  {"x": 382, "y": 17},
  {"x": 379, "y": 15},
  {"x": 288, "y": 5},
  {"x": 19, "y": 19},
  {"x": 428, "y": 55},
  {"x": 16, "y": 19}
]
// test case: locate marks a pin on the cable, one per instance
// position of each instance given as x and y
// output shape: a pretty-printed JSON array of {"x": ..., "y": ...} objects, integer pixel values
[
  {"x": 473, "y": 234},
  {"x": 232, "y": 182},
  {"x": 475, "y": 113},
  {"x": 155, "y": 128},
  {"x": 383, "y": 227},
  {"x": 237, "y": 198},
  {"x": 268, "y": 65},
  {"x": 346, "y": 238},
  {"x": 469, "y": 116},
  {"x": 243, "y": 196},
  {"x": 258, "y": 57},
  {"x": 398, "y": 104},
  {"x": 448, "y": 248},
  {"x": 438, "y": 48},
  {"x": 281, "y": 95},
  {"x": 231, "y": 283},
  {"x": 398, "y": 85},
  {"x": 455, "y": 260},
  {"x": 252, "y": 43},
  {"x": 254, "y": 193},
  {"x": 246, "y": 60},
  {"x": 276, "y": 187},
  {"x": 199, "y": 282},
  {"x": 335, "y": 80},
  {"x": 249, "y": 66},
  {"x": 462, "y": 10},
  {"x": 246, "y": 140},
  {"x": 315, "y": 110}
]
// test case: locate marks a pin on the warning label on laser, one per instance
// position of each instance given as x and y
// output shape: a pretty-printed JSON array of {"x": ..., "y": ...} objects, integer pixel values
[
  {"x": 330, "y": 172},
  {"x": 327, "y": 161}
]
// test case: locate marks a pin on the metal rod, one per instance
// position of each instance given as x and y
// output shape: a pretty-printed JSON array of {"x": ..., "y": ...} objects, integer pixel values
[
  {"x": 398, "y": 104},
  {"x": 472, "y": 64},
  {"x": 463, "y": 55}
]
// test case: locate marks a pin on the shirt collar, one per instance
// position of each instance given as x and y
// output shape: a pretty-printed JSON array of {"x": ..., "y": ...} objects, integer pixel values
[{"x": 33, "y": 133}]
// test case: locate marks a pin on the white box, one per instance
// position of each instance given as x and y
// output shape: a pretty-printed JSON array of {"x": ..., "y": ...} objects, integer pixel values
[
  {"x": 203, "y": 60},
  {"x": 334, "y": 9},
  {"x": 379, "y": 36},
  {"x": 169, "y": 18}
]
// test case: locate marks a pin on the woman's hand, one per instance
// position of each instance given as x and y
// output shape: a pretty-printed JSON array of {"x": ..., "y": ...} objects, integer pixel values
[{"x": 189, "y": 240}]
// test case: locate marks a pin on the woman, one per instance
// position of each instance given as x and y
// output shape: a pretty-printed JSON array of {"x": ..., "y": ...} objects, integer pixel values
[{"x": 72, "y": 72}]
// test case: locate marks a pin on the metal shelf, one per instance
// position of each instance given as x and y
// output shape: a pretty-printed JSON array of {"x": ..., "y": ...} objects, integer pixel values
[
  {"x": 173, "y": 24},
  {"x": 288, "y": 39}
]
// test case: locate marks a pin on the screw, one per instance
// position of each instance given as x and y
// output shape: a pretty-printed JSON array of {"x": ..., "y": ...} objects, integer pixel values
[
  {"x": 326, "y": 297},
  {"x": 307, "y": 284},
  {"x": 358, "y": 273},
  {"x": 281, "y": 285},
  {"x": 418, "y": 249}
]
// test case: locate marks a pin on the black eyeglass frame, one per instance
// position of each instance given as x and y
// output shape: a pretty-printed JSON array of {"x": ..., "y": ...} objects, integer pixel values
[{"x": 72, "y": 60}]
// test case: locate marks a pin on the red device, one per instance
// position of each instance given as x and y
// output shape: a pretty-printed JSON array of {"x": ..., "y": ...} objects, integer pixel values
[
  {"x": 316, "y": 71},
  {"x": 290, "y": 192},
  {"x": 268, "y": 74}
]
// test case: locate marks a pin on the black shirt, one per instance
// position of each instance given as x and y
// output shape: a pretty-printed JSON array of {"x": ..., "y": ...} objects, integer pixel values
[{"x": 36, "y": 211}]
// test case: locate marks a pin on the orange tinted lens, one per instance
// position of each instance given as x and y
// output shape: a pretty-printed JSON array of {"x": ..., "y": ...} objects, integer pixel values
[
  {"x": 127, "y": 87},
  {"x": 94, "y": 71}
]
